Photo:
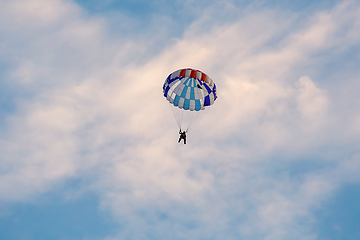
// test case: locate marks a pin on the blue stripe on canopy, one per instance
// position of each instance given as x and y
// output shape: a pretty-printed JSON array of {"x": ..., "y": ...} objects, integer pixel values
[
  {"x": 183, "y": 93},
  {"x": 186, "y": 82},
  {"x": 186, "y": 104},
  {"x": 166, "y": 91},
  {"x": 169, "y": 80},
  {"x": 192, "y": 94},
  {"x": 207, "y": 101},
  {"x": 176, "y": 101},
  {"x": 207, "y": 88}
]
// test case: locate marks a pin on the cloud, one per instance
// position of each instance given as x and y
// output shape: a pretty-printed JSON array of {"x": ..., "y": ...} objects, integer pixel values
[{"x": 94, "y": 110}]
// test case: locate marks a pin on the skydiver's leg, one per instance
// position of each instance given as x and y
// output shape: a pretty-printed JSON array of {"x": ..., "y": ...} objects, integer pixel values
[{"x": 184, "y": 140}]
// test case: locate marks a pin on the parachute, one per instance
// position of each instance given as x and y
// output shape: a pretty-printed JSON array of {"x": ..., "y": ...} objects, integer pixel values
[{"x": 189, "y": 91}]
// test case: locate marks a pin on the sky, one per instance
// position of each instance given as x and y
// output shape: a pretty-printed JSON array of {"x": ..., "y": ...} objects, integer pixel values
[{"x": 88, "y": 143}]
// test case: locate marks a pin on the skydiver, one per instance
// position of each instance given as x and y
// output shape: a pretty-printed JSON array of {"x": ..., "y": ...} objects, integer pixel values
[{"x": 182, "y": 136}]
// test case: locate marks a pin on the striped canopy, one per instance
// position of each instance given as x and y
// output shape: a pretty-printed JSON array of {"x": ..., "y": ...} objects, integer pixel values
[{"x": 190, "y": 89}]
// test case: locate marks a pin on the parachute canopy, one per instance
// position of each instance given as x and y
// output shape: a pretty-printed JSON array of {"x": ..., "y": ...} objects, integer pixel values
[{"x": 189, "y": 89}]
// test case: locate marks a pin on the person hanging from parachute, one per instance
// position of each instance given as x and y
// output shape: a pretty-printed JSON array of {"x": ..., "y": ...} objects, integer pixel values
[
  {"x": 182, "y": 136},
  {"x": 188, "y": 91}
]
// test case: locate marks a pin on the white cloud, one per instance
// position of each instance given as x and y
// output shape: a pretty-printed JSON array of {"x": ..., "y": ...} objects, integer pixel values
[
  {"x": 96, "y": 111},
  {"x": 312, "y": 102}
]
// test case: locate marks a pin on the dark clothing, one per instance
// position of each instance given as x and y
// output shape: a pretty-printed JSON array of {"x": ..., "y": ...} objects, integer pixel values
[{"x": 182, "y": 136}]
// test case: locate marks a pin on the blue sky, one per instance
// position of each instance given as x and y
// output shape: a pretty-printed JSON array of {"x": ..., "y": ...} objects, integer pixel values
[{"x": 88, "y": 144}]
